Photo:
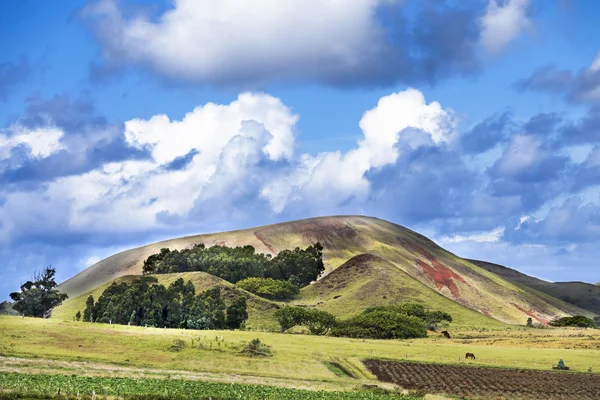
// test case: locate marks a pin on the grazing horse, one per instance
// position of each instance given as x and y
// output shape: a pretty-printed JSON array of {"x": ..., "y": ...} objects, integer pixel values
[
  {"x": 446, "y": 334},
  {"x": 470, "y": 355}
]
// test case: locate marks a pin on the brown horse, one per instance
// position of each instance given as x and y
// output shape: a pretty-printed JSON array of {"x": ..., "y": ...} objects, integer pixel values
[
  {"x": 446, "y": 334},
  {"x": 470, "y": 355}
]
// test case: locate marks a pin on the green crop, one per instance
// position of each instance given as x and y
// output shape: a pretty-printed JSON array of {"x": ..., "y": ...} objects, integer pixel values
[{"x": 48, "y": 386}]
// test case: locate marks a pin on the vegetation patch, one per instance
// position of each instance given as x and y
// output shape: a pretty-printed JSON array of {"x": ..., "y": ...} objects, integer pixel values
[{"x": 48, "y": 386}]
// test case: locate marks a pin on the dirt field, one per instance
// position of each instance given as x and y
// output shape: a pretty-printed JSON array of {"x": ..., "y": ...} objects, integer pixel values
[{"x": 488, "y": 383}]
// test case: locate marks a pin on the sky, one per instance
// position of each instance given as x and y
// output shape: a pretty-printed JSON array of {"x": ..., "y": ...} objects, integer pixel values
[{"x": 123, "y": 122}]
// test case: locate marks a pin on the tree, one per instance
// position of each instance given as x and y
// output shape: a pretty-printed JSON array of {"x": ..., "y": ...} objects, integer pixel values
[
  {"x": 381, "y": 325},
  {"x": 433, "y": 318},
  {"x": 78, "y": 316},
  {"x": 38, "y": 297},
  {"x": 237, "y": 313},
  {"x": 529, "y": 322},
  {"x": 318, "y": 322},
  {"x": 288, "y": 317},
  {"x": 88, "y": 313}
]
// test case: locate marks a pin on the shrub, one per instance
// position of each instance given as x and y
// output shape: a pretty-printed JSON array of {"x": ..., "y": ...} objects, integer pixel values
[
  {"x": 178, "y": 345},
  {"x": 269, "y": 288},
  {"x": 381, "y": 325},
  {"x": 255, "y": 348}
]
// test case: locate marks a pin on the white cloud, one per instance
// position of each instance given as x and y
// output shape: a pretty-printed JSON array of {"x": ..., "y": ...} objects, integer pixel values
[
  {"x": 503, "y": 23},
  {"x": 334, "y": 177},
  {"x": 229, "y": 141},
  {"x": 231, "y": 40},
  {"x": 492, "y": 236},
  {"x": 41, "y": 141}
]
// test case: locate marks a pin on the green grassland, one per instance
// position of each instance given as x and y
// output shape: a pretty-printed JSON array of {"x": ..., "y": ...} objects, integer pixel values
[{"x": 297, "y": 361}]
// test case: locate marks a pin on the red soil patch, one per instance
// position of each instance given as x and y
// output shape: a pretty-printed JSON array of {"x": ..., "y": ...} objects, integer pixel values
[
  {"x": 531, "y": 314},
  {"x": 262, "y": 239},
  {"x": 438, "y": 273}
]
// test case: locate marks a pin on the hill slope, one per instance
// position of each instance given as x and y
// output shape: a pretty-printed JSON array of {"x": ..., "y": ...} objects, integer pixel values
[
  {"x": 366, "y": 280},
  {"x": 580, "y": 294},
  {"x": 344, "y": 237}
]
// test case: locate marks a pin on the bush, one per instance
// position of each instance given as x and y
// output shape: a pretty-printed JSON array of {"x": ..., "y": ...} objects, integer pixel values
[
  {"x": 578, "y": 321},
  {"x": 256, "y": 349},
  {"x": 381, "y": 325},
  {"x": 269, "y": 288}
]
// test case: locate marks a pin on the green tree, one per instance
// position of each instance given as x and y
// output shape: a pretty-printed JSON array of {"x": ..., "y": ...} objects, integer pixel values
[
  {"x": 88, "y": 313},
  {"x": 577, "y": 321},
  {"x": 38, "y": 297},
  {"x": 529, "y": 322},
  {"x": 288, "y": 317},
  {"x": 78, "y": 316},
  {"x": 237, "y": 313},
  {"x": 381, "y": 325},
  {"x": 318, "y": 322}
]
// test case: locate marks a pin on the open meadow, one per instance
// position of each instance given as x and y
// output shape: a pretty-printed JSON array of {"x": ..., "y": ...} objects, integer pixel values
[{"x": 38, "y": 346}]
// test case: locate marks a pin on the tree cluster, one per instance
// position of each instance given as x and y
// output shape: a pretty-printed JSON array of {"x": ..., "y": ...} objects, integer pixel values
[
  {"x": 577, "y": 321},
  {"x": 269, "y": 288},
  {"x": 146, "y": 303},
  {"x": 401, "y": 321},
  {"x": 298, "y": 266},
  {"x": 38, "y": 297}
]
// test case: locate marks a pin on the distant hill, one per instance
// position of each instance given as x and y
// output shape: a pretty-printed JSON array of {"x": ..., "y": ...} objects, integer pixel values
[
  {"x": 422, "y": 265},
  {"x": 580, "y": 294}
]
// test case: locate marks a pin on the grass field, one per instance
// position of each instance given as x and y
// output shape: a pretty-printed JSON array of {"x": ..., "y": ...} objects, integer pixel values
[{"x": 297, "y": 361}]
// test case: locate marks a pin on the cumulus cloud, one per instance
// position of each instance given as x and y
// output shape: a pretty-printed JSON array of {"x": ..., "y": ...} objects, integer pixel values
[
  {"x": 236, "y": 162},
  {"x": 335, "y": 177},
  {"x": 502, "y": 23},
  {"x": 339, "y": 43}
]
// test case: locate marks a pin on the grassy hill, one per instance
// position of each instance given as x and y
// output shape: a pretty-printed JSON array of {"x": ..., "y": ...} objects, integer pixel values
[
  {"x": 414, "y": 256},
  {"x": 580, "y": 294}
]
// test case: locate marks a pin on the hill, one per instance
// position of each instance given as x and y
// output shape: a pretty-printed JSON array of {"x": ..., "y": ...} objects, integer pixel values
[
  {"x": 580, "y": 294},
  {"x": 367, "y": 280},
  {"x": 344, "y": 237}
]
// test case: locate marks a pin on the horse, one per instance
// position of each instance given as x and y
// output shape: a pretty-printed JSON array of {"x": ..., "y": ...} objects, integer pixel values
[
  {"x": 470, "y": 355},
  {"x": 446, "y": 334}
]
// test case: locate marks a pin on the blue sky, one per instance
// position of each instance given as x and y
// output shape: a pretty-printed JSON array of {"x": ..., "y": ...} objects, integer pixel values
[{"x": 124, "y": 122}]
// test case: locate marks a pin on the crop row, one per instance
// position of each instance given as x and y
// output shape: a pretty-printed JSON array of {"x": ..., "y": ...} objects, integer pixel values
[
  {"x": 169, "y": 389},
  {"x": 488, "y": 383}
]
